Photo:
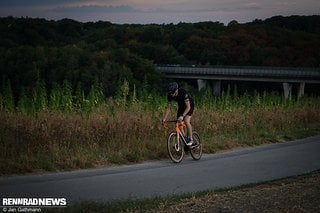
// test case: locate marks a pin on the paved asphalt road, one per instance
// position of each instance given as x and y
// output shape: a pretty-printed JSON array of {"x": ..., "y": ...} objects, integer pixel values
[{"x": 232, "y": 168}]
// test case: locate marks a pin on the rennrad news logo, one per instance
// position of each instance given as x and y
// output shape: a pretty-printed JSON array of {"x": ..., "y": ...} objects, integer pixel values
[
  {"x": 31, "y": 204},
  {"x": 34, "y": 202}
]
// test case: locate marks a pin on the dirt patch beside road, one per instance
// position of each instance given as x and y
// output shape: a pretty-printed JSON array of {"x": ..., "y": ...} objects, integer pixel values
[{"x": 296, "y": 194}]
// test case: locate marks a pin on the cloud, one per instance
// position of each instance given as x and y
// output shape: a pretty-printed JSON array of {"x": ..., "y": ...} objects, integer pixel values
[
  {"x": 95, "y": 9},
  {"x": 131, "y": 9},
  {"x": 32, "y": 3},
  {"x": 206, "y": 10},
  {"x": 157, "y": 11}
]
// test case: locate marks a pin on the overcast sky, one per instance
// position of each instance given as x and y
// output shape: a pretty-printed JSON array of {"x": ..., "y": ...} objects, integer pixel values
[{"x": 158, "y": 11}]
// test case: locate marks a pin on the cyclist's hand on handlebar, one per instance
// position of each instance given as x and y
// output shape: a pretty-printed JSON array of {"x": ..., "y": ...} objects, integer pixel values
[
  {"x": 180, "y": 119},
  {"x": 163, "y": 123}
]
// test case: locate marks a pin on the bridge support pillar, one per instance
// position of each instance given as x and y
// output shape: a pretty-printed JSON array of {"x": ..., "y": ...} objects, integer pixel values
[
  {"x": 201, "y": 84},
  {"x": 287, "y": 88},
  {"x": 301, "y": 89},
  {"x": 217, "y": 88}
]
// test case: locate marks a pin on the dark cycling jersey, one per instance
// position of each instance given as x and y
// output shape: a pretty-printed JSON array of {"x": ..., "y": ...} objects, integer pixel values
[{"x": 181, "y": 98}]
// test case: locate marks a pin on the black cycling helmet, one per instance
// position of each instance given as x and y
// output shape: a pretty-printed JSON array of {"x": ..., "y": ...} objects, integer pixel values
[{"x": 172, "y": 87}]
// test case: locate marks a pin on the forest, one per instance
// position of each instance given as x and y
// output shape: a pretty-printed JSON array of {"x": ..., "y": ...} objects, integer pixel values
[{"x": 51, "y": 53}]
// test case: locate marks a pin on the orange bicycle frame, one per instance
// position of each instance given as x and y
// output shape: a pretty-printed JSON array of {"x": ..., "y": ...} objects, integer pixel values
[{"x": 178, "y": 130}]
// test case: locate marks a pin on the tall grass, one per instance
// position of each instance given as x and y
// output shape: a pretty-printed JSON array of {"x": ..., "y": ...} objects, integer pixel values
[
  {"x": 6, "y": 98},
  {"x": 49, "y": 132}
]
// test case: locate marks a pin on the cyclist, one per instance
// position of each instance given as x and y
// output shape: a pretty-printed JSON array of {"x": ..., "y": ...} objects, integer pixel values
[{"x": 185, "y": 107}]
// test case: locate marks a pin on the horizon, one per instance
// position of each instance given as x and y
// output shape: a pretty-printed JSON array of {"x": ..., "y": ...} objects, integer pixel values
[
  {"x": 225, "y": 24},
  {"x": 158, "y": 12}
]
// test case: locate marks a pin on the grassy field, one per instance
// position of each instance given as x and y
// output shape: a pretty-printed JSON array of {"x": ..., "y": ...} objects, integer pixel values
[{"x": 119, "y": 132}]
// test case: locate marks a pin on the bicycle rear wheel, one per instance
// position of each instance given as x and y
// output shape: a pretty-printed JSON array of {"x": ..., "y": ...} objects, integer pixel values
[
  {"x": 175, "y": 148},
  {"x": 196, "y": 148}
]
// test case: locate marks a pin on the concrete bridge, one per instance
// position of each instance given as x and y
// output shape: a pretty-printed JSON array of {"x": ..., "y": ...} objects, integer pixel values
[{"x": 286, "y": 75}]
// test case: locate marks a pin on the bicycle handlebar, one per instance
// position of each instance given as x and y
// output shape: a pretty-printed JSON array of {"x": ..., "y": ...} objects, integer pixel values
[{"x": 172, "y": 121}]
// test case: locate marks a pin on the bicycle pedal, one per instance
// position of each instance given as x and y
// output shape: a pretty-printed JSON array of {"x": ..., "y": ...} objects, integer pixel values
[{"x": 194, "y": 146}]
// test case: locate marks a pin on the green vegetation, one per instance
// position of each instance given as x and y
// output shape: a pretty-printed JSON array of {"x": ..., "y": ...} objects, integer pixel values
[
  {"x": 56, "y": 131},
  {"x": 55, "y": 52}
]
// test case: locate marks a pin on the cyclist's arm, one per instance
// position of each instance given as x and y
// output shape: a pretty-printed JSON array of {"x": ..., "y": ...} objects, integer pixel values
[
  {"x": 188, "y": 107},
  {"x": 167, "y": 111}
]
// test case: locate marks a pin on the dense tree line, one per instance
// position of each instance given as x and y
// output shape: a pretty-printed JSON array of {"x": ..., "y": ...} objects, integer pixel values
[{"x": 34, "y": 50}]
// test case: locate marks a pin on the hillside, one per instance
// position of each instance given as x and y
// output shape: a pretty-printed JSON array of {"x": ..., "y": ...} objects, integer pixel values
[{"x": 33, "y": 50}]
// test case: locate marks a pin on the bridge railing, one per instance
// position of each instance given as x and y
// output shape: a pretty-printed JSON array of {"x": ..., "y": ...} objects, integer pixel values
[{"x": 243, "y": 71}]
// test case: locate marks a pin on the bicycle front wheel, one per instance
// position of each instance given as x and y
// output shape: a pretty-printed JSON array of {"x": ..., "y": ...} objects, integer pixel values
[
  {"x": 196, "y": 148},
  {"x": 174, "y": 147}
]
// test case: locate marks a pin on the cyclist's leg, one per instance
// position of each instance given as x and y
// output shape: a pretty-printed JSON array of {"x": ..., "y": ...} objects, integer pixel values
[
  {"x": 187, "y": 120},
  {"x": 179, "y": 113}
]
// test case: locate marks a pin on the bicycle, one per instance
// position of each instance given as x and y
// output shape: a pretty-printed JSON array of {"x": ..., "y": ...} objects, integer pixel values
[{"x": 177, "y": 143}]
